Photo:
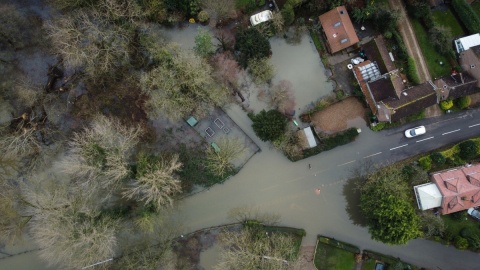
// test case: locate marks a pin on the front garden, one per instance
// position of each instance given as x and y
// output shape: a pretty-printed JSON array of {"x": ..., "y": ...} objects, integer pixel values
[{"x": 334, "y": 254}]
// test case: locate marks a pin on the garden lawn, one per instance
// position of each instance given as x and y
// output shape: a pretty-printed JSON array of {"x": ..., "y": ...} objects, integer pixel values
[
  {"x": 369, "y": 264},
  {"x": 476, "y": 7},
  {"x": 448, "y": 20},
  {"x": 454, "y": 226},
  {"x": 432, "y": 57},
  {"x": 329, "y": 257}
]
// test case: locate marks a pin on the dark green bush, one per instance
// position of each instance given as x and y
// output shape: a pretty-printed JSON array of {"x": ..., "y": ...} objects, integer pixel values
[
  {"x": 408, "y": 171},
  {"x": 461, "y": 243},
  {"x": 460, "y": 215},
  {"x": 288, "y": 14},
  {"x": 270, "y": 125},
  {"x": 468, "y": 150},
  {"x": 463, "y": 102},
  {"x": 467, "y": 15},
  {"x": 251, "y": 44},
  {"x": 437, "y": 158}
]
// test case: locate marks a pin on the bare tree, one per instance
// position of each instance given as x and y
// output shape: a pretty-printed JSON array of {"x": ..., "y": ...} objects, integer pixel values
[
  {"x": 261, "y": 70},
  {"x": 220, "y": 162},
  {"x": 157, "y": 184},
  {"x": 226, "y": 69},
  {"x": 244, "y": 213},
  {"x": 282, "y": 96},
  {"x": 180, "y": 85},
  {"x": 268, "y": 251},
  {"x": 278, "y": 23},
  {"x": 121, "y": 10},
  {"x": 99, "y": 156},
  {"x": 87, "y": 40},
  {"x": 64, "y": 224},
  {"x": 223, "y": 9}
]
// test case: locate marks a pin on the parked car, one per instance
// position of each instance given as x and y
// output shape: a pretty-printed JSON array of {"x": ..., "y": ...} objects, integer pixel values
[
  {"x": 474, "y": 213},
  {"x": 416, "y": 131},
  {"x": 260, "y": 17}
]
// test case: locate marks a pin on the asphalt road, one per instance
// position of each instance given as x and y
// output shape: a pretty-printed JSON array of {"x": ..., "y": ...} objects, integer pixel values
[{"x": 274, "y": 184}]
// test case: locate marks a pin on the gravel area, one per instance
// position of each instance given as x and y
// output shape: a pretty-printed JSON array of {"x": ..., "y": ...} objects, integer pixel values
[{"x": 335, "y": 118}]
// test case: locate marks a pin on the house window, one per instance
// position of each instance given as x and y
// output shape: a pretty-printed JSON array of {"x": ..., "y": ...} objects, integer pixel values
[
  {"x": 343, "y": 40},
  {"x": 472, "y": 66}
]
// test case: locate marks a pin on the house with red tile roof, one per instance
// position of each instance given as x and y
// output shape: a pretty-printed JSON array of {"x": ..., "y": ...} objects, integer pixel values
[
  {"x": 451, "y": 190},
  {"x": 338, "y": 29}
]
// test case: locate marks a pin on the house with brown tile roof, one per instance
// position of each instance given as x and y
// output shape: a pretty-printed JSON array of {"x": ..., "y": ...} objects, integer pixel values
[
  {"x": 387, "y": 95},
  {"x": 470, "y": 62},
  {"x": 459, "y": 189},
  {"x": 338, "y": 29}
]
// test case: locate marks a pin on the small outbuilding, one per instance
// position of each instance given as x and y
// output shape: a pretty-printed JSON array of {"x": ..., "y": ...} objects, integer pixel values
[
  {"x": 338, "y": 29},
  {"x": 465, "y": 43}
]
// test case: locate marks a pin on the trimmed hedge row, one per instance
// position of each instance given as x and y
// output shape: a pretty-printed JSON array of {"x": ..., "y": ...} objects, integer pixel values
[
  {"x": 469, "y": 18},
  {"x": 338, "y": 244},
  {"x": 329, "y": 143}
]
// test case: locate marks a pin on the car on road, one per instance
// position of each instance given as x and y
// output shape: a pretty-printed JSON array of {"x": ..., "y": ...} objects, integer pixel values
[
  {"x": 474, "y": 213},
  {"x": 416, "y": 131}
]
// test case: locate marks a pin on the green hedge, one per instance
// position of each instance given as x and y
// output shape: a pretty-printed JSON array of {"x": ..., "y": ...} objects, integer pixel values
[
  {"x": 328, "y": 143},
  {"x": 338, "y": 244},
  {"x": 412, "y": 71},
  {"x": 469, "y": 18}
]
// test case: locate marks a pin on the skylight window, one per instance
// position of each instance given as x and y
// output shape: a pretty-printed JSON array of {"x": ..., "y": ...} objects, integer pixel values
[
  {"x": 343, "y": 40},
  {"x": 337, "y": 24}
]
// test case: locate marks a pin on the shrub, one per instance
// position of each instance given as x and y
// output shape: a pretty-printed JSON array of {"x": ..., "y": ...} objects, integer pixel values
[
  {"x": 408, "y": 171},
  {"x": 446, "y": 104},
  {"x": 269, "y": 125},
  {"x": 468, "y": 150},
  {"x": 462, "y": 102},
  {"x": 460, "y": 215},
  {"x": 412, "y": 71},
  {"x": 203, "y": 16},
  {"x": 261, "y": 70},
  {"x": 288, "y": 14},
  {"x": 467, "y": 15},
  {"x": 425, "y": 163},
  {"x": 251, "y": 44},
  {"x": 461, "y": 243},
  {"x": 379, "y": 126},
  {"x": 437, "y": 158},
  {"x": 440, "y": 38}
]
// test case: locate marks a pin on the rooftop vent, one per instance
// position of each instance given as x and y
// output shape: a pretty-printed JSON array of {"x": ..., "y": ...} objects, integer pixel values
[
  {"x": 341, "y": 12},
  {"x": 405, "y": 93}
]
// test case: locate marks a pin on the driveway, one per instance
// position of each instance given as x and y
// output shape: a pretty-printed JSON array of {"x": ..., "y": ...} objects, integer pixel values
[{"x": 274, "y": 184}]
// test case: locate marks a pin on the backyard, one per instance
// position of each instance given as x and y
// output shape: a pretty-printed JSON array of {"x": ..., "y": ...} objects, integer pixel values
[
  {"x": 447, "y": 19},
  {"x": 432, "y": 57}
]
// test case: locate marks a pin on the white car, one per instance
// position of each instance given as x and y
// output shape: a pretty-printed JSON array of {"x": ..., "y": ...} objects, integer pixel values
[
  {"x": 413, "y": 132},
  {"x": 474, "y": 213},
  {"x": 261, "y": 17}
]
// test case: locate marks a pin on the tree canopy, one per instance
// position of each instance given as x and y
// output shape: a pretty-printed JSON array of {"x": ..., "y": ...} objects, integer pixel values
[
  {"x": 251, "y": 44},
  {"x": 269, "y": 125},
  {"x": 385, "y": 202}
]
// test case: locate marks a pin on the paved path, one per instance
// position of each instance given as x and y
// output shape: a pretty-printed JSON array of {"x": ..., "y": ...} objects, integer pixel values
[{"x": 410, "y": 40}]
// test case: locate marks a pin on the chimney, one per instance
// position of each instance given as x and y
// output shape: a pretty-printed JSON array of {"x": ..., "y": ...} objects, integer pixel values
[{"x": 461, "y": 77}]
